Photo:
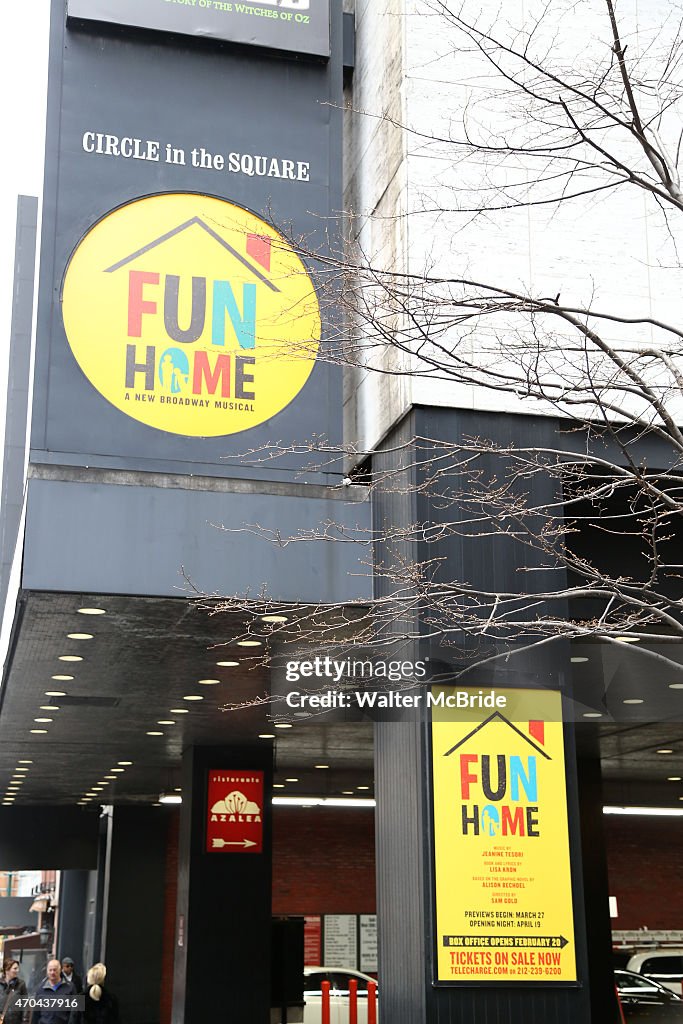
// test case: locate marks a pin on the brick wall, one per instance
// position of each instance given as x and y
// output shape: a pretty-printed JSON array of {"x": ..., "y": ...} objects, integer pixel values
[
  {"x": 323, "y": 861},
  {"x": 646, "y": 871}
]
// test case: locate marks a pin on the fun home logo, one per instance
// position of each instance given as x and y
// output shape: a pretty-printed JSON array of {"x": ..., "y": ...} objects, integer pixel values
[
  {"x": 207, "y": 322},
  {"x": 499, "y": 792}
]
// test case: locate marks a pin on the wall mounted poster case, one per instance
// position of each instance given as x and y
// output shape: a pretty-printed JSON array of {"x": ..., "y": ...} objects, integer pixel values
[
  {"x": 503, "y": 888},
  {"x": 298, "y": 26}
]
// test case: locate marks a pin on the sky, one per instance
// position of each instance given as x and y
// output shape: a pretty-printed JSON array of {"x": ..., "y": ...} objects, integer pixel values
[{"x": 23, "y": 86}]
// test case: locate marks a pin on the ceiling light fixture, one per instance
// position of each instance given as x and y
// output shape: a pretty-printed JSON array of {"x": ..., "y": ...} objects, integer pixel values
[
  {"x": 38, "y": 732},
  {"x": 62, "y": 679},
  {"x": 227, "y": 664},
  {"x": 80, "y": 636},
  {"x": 48, "y": 707},
  {"x": 665, "y": 750},
  {"x": 291, "y": 780},
  {"x": 250, "y": 643},
  {"x": 628, "y": 639},
  {"x": 324, "y": 801},
  {"x": 676, "y": 686},
  {"x": 24, "y": 762},
  {"x": 321, "y": 766},
  {"x": 578, "y": 661},
  {"x": 592, "y": 714},
  {"x": 283, "y": 725},
  {"x": 179, "y": 711},
  {"x": 274, "y": 618},
  {"x": 153, "y": 732},
  {"x": 124, "y": 762},
  {"x": 55, "y": 693},
  {"x": 193, "y": 696},
  {"x": 117, "y": 769},
  {"x": 654, "y": 812},
  {"x": 165, "y": 721},
  {"x": 208, "y": 682},
  {"x": 70, "y": 657},
  {"x": 634, "y": 700},
  {"x": 170, "y": 798},
  {"x": 674, "y": 778},
  {"x": 266, "y": 736},
  {"x": 91, "y": 611}
]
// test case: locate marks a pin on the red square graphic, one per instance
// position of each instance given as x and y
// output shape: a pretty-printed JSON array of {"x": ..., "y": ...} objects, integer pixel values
[{"x": 234, "y": 813}]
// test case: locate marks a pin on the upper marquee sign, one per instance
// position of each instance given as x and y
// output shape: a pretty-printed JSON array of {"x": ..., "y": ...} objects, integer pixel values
[{"x": 299, "y": 26}]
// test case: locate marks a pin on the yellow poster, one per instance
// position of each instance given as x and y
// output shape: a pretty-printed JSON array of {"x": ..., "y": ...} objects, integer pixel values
[
  {"x": 191, "y": 315},
  {"x": 501, "y": 845}
]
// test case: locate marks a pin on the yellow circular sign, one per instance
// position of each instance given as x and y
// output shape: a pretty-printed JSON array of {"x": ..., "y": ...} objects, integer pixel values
[{"x": 191, "y": 315}]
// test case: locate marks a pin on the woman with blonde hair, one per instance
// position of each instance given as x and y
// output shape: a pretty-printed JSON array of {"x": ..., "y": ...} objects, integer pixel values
[{"x": 101, "y": 1007}]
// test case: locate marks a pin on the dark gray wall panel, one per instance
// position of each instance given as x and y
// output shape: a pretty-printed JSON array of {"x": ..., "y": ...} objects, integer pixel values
[{"x": 134, "y": 540}]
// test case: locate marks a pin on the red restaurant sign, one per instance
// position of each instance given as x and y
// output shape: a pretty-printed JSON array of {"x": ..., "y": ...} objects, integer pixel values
[{"x": 234, "y": 819}]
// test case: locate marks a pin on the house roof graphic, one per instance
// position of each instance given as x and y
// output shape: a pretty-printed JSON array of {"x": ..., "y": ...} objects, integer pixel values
[
  {"x": 487, "y": 721},
  {"x": 184, "y": 227}
]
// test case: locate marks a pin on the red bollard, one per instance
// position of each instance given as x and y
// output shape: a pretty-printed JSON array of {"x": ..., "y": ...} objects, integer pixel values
[
  {"x": 372, "y": 1002},
  {"x": 353, "y": 1001},
  {"x": 325, "y": 1018},
  {"x": 621, "y": 1011}
]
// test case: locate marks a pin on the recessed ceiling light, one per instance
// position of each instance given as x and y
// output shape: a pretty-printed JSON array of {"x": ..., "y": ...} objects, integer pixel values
[
  {"x": 110, "y": 777},
  {"x": 347, "y": 792},
  {"x": 179, "y": 711},
  {"x": 178, "y": 789},
  {"x": 578, "y": 661},
  {"x": 124, "y": 762},
  {"x": 278, "y": 785},
  {"x": 97, "y": 789},
  {"x": 250, "y": 643},
  {"x": 676, "y": 686},
  {"x": 274, "y": 618},
  {"x": 362, "y": 787},
  {"x": 55, "y": 693},
  {"x": 674, "y": 778},
  {"x": 170, "y": 798},
  {"x": 24, "y": 762},
  {"x": 284, "y": 725},
  {"x": 208, "y": 682},
  {"x": 291, "y": 780},
  {"x": 228, "y": 664},
  {"x": 117, "y": 769},
  {"x": 70, "y": 657},
  {"x": 165, "y": 721},
  {"x": 193, "y": 696},
  {"x": 80, "y": 636},
  {"x": 43, "y": 719},
  {"x": 321, "y": 766},
  {"x": 266, "y": 735},
  {"x": 152, "y": 732},
  {"x": 21, "y": 769},
  {"x": 628, "y": 639},
  {"x": 592, "y": 714},
  {"x": 49, "y": 707},
  {"x": 92, "y": 611},
  {"x": 634, "y": 700},
  {"x": 38, "y": 732},
  {"x": 61, "y": 679},
  {"x": 103, "y": 782},
  {"x": 665, "y": 750}
]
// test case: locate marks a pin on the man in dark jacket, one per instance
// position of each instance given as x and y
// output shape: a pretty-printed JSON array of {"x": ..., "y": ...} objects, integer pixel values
[
  {"x": 69, "y": 973},
  {"x": 54, "y": 985}
]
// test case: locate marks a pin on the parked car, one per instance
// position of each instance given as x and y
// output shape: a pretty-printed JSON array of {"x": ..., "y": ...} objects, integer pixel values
[
  {"x": 338, "y": 978},
  {"x": 662, "y": 965},
  {"x": 643, "y": 999}
]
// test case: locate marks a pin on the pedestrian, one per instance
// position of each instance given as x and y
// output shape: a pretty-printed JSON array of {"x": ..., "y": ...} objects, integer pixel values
[
  {"x": 69, "y": 973},
  {"x": 101, "y": 1006},
  {"x": 54, "y": 985},
  {"x": 11, "y": 988}
]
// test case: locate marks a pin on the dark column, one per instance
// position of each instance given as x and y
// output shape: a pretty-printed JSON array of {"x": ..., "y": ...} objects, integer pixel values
[
  {"x": 402, "y": 768},
  {"x": 73, "y": 900},
  {"x": 223, "y": 921},
  {"x": 596, "y": 885},
  {"x": 132, "y": 932}
]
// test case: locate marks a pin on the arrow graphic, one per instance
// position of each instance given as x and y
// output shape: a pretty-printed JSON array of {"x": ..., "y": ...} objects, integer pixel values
[
  {"x": 509, "y": 941},
  {"x": 220, "y": 843}
]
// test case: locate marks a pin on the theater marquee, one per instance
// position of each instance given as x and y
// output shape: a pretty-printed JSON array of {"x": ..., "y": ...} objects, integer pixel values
[
  {"x": 300, "y": 26},
  {"x": 503, "y": 888}
]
